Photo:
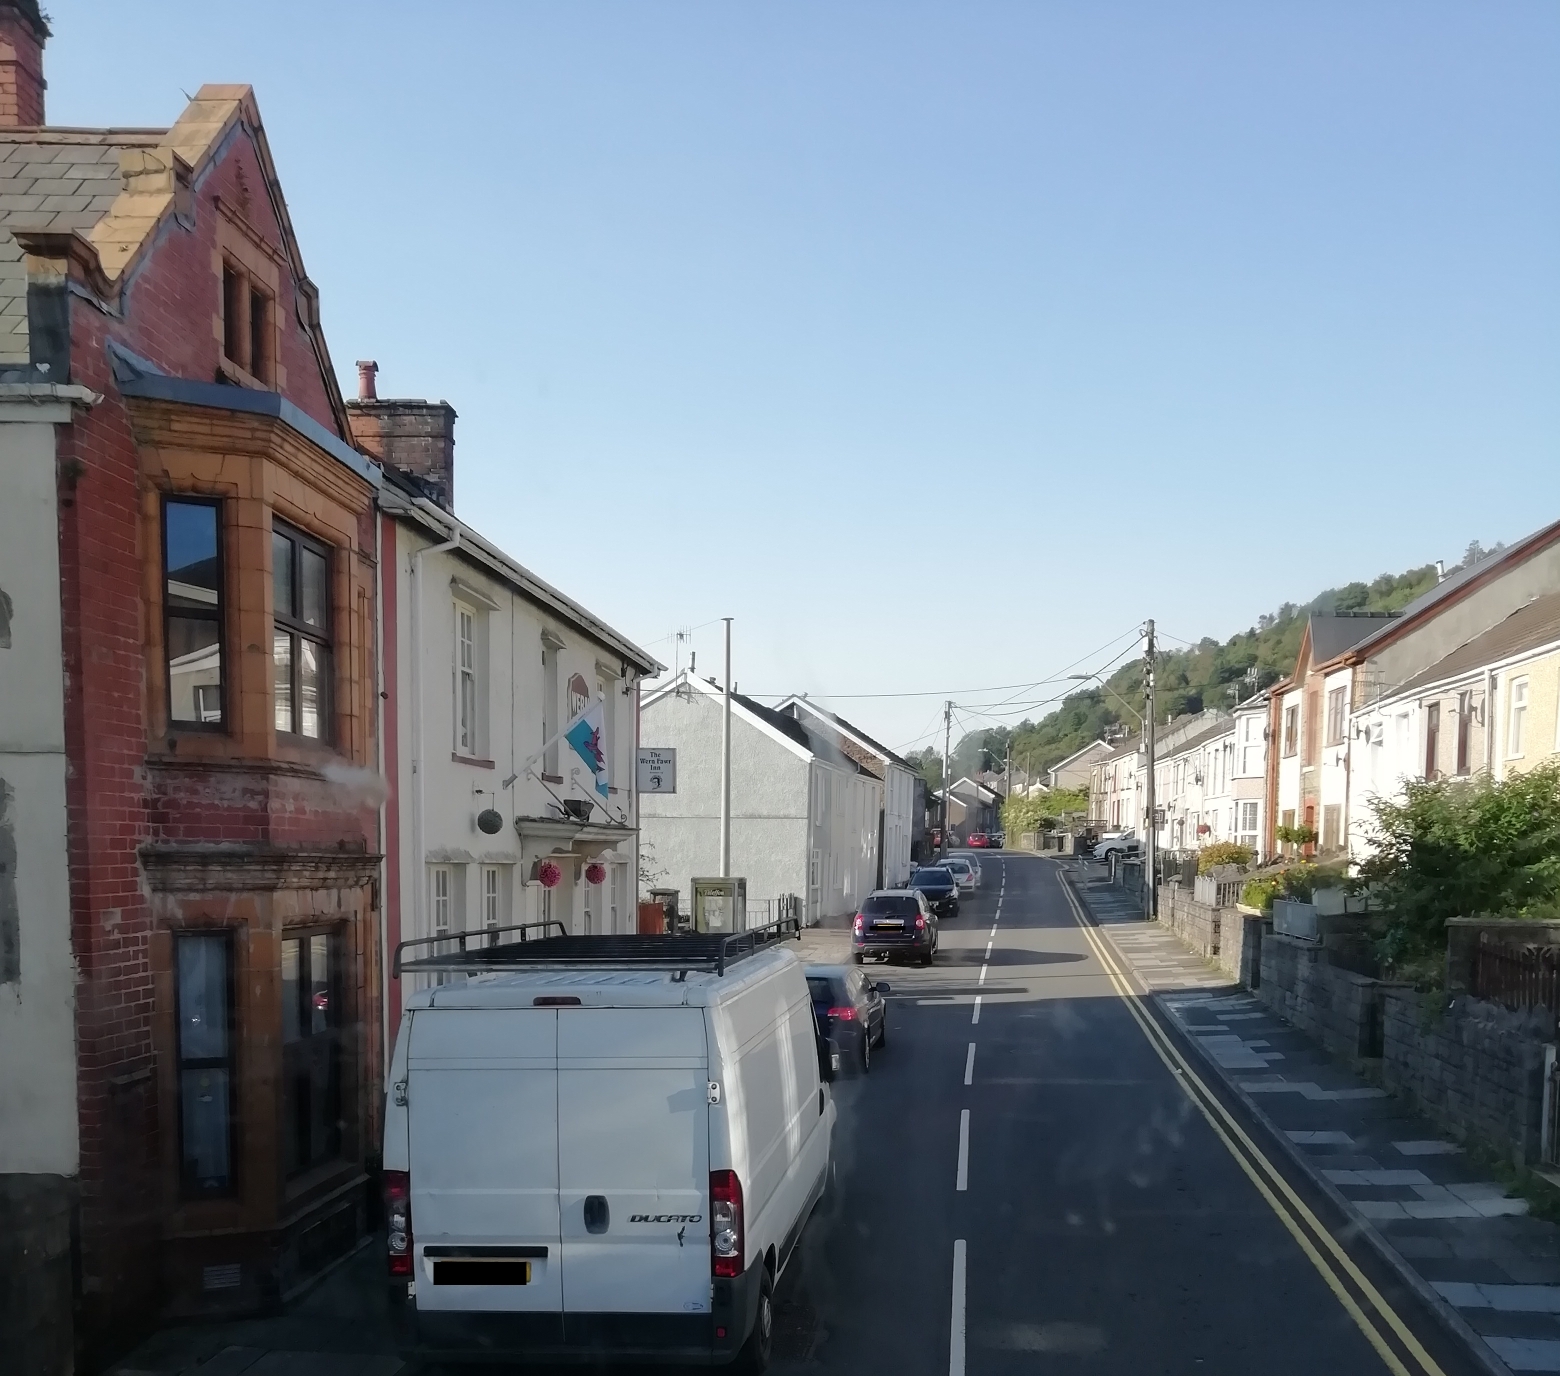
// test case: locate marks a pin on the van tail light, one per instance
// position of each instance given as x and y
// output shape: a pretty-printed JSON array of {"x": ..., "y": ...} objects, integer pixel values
[
  {"x": 844, "y": 1014},
  {"x": 726, "y": 1235},
  {"x": 398, "y": 1218}
]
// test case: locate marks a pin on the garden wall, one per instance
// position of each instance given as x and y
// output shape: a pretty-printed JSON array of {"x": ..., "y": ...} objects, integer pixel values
[
  {"x": 1340, "y": 1008},
  {"x": 1477, "y": 1069}
]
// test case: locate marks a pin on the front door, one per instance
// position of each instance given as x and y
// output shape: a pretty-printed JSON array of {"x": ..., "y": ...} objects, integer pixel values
[
  {"x": 633, "y": 1152},
  {"x": 482, "y": 1104}
]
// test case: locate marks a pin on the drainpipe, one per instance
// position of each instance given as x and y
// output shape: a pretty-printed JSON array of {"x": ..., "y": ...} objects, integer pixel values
[{"x": 419, "y": 732}]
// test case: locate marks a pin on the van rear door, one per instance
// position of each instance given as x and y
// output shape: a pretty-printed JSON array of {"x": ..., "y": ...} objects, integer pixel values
[
  {"x": 482, "y": 1105},
  {"x": 633, "y": 1153}
]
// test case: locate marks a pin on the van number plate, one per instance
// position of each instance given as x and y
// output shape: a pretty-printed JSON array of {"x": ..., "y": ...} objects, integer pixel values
[{"x": 481, "y": 1271}]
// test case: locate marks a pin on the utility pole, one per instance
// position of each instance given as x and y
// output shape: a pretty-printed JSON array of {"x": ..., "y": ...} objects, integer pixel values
[
  {"x": 947, "y": 782},
  {"x": 725, "y": 765},
  {"x": 1151, "y": 833}
]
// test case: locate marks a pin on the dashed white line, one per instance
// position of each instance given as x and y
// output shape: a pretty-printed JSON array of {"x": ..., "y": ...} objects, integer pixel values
[
  {"x": 974, "y": 1021},
  {"x": 982, "y": 978},
  {"x": 956, "y": 1328},
  {"x": 962, "y": 1183},
  {"x": 988, "y": 948},
  {"x": 969, "y": 1065}
]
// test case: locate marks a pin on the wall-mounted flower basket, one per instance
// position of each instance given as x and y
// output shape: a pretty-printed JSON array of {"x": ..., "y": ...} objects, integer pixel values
[
  {"x": 548, "y": 874},
  {"x": 595, "y": 873}
]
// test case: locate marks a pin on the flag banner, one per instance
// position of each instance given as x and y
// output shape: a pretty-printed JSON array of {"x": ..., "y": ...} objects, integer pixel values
[{"x": 584, "y": 737}]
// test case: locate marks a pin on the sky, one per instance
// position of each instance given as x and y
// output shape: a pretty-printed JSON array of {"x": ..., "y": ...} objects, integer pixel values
[{"x": 937, "y": 344}]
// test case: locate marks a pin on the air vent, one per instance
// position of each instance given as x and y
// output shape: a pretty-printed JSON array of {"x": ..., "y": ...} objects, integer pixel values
[{"x": 221, "y": 1277}]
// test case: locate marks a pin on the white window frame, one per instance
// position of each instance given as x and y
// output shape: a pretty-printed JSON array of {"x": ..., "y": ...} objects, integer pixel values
[
  {"x": 1516, "y": 716},
  {"x": 468, "y": 739},
  {"x": 441, "y": 899},
  {"x": 492, "y": 896}
]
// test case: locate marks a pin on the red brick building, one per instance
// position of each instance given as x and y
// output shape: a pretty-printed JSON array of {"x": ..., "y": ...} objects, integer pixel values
[{"x": 217, "y": 583}]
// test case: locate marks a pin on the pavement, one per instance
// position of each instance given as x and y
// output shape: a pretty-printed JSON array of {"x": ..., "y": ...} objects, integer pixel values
[
  {"x": 1032, "y": 1178},
  {"x": 1459, "y": 1237}
]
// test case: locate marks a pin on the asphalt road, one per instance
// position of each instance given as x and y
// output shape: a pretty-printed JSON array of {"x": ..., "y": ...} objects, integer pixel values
[{"x": 1053, "y": 1200}]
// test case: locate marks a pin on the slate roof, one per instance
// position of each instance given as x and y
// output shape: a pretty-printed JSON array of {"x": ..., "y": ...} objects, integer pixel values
[
  {"x": 850, "y": 728},
  {"x": 1538, "y": 623},
  {"x": 1334, "y": 632},
  {"x": 57, "y": 179},
  {"x": 1224, "y": 726},
  {"x": 1454, "y": 581}
]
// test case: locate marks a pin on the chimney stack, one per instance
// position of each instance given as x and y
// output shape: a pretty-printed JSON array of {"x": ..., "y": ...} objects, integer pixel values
[
  {"x": 417, "y": 437},
  {"x": 23, "y": 33}
]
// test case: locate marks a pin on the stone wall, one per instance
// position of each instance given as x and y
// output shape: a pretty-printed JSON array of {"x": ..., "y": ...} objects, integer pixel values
[
  {"x": 1195, "y": 923},
  {"x": 1477, "y": 1070},
  {"x": 1240, "y": 945},
  {"x": 1340, "y": 1008}
]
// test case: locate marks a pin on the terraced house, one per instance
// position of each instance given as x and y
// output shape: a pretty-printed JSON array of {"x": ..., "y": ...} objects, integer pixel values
[{"x": 200, "y": 1115}]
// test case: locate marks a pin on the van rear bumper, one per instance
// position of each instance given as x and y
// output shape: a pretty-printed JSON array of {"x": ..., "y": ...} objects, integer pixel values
[{"x": 711, "y": 1339}]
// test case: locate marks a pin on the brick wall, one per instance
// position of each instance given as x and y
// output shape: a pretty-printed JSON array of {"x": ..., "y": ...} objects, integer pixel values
[
  {"x": 1477, "y": 1069},
  {"x": 1341, "y": 1009}
]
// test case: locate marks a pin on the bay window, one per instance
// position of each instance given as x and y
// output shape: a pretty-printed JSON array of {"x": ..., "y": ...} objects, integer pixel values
[
  {"x": 301, "y": 657},
  {"x": 192, "y": 611}
]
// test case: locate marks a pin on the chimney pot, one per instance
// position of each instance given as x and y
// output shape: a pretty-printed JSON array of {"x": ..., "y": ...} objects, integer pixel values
[{"x": 367, "y": 369}]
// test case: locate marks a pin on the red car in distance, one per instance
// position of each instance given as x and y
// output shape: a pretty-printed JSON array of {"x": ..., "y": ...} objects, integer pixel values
[{"x": 979, "y": 840}]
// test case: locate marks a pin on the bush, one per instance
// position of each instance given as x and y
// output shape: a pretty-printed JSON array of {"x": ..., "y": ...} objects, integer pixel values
[
  {"x": 1041, "y": 812},
  {"x": 1222, "y": 853},
  {"x": 1295, "y": 836},
  {"x": 1260, "y": 892},
  {"x": 1463, "y": 848}
]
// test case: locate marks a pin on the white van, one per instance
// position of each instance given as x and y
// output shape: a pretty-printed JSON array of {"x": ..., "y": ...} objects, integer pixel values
[{"x": 604, "y": 1147}]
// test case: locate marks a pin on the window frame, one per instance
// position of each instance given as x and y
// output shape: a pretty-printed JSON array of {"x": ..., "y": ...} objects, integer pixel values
[
  {"x": 1464, "y": 731},
  {"x": 219, "y": 727},
  {"x": 1337, "y": 714},
  {"x": 332, "y": 1036},
  {"x": 467, "y": 676},
  {"x": 292, "y": 624},
  {"x": 1291, "y": 729},
  {"x": 1516, "y": 717},
  {"x": 1432, "y": 760},
  {"x": 188, "y": 1189},
  {"x": 240, "y": 288}
]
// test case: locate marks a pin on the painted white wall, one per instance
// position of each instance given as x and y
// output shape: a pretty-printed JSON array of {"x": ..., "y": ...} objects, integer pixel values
[
  {"x": 789, "y": 809},
  {"x": 1289, "y": 765},
  {"x": 459, "y": 782},
  {"x": 1333, "y": 760},
  {"x": 38, "y": 1123},
  {"x": 1248, "y": 787}
]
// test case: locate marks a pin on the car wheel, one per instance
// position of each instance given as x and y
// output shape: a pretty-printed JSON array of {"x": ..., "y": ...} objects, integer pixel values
[
  {"x": 760, "y": 1346},
  {"x": 858, "y": 958},
  {"x": 883, "y": 1031},
  {"x": 866, "y": 1054}
]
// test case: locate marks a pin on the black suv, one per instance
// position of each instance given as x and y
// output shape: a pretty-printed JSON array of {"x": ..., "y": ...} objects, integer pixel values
[{"x": 940, "y": 888}]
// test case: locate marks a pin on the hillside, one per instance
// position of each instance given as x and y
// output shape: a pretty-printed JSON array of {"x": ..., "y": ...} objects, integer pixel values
[{"x": 1208, "y": 674}]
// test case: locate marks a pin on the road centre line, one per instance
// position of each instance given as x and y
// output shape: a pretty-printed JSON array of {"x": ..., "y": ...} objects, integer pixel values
[
  {"x": 1291, "y": 1210},
  {"x": 969, "y": 1065},
  {"x": 974, "y": 1021},
  {"x": 982, "y": 978},
  {"x": 963, "y": 1180},
  {"x": 956, "y": 1326}
]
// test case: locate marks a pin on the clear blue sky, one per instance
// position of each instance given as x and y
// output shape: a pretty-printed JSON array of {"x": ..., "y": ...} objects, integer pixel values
[{"x": 936, "y": 343}]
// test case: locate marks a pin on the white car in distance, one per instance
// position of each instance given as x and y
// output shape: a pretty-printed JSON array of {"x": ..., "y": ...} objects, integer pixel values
[{"x": 964, "y": 871}]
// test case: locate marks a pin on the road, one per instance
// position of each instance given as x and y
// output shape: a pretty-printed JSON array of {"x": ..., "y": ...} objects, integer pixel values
[{"x": 1025, "y": 1185}]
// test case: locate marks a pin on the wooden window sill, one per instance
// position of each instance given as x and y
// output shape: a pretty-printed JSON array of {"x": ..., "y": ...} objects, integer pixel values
[{"x": 472, "y": 760}]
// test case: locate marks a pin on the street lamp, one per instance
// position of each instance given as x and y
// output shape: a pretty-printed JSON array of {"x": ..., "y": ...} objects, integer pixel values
[{"x": 1084, "y": 678}]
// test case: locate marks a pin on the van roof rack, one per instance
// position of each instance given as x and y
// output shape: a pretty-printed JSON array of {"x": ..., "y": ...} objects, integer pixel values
[{"x": 474, "y": 952}]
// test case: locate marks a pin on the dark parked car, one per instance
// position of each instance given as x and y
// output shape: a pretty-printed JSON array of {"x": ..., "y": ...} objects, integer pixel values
[
  {"x": 850, "y": 1010},
  {"x": 940, "y": 888},
  {"x": 895, "y": 922}
]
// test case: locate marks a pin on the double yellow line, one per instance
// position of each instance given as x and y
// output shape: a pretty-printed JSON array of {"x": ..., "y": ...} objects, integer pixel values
[{"x": 1354, "y": 1291}]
